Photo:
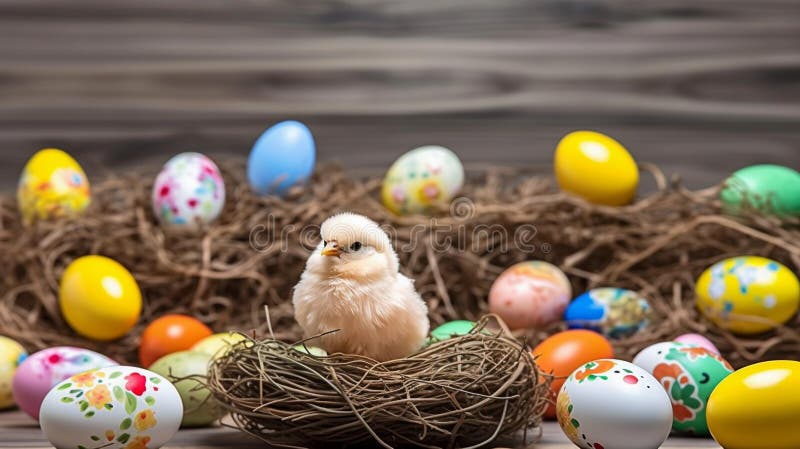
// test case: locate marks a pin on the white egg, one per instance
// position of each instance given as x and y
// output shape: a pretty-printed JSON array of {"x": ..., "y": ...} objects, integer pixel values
[
  {"x": 189, "y": 191},
  {"x": 652, "y": 355},
  {"x": 119, "y": 407}
]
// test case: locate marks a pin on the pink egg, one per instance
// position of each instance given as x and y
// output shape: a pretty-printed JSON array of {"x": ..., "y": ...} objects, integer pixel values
[
  {"x": 530, "y": 294},
  {"x": 697, "y": 340}
]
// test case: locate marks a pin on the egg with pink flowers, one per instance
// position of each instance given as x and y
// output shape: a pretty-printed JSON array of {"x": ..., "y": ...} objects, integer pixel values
[
  {"x": 530, "y": 294},
  {"x": 189, "y": 192}
]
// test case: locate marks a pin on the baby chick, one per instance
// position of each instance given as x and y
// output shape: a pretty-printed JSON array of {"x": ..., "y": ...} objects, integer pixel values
[{"x": 352, "y": 283}]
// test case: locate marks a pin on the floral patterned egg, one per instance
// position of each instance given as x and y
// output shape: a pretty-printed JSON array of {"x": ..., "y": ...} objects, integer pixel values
[
  {"x": 613, "y": 404},
  {"x": 614, "y": 312},
  {"x": 421, "y": 178},
  {"x": 689, "y": 374},
  {"x": 52, "y": 185},
  {"x": 530, "y": 294},
  {"x": 42, "y": 370},
  {"x": 189, "y": 192},
  {"x": 11, "y": 355},
  {"x": 120, "y": 407},
  {"x": 748, "y": 294}
]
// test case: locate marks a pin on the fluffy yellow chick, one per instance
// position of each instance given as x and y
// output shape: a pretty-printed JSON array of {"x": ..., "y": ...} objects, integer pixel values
[{"x": 352, "y": 283}]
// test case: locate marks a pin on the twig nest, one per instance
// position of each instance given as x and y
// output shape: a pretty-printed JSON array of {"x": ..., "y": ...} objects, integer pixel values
[{"x": 463, "y": 392}]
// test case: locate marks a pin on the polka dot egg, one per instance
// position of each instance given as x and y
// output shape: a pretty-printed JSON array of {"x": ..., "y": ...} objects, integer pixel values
[{"x": 189, "y": 192}]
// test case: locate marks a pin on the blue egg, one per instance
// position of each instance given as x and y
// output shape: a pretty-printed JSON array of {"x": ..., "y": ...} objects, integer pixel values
[
  {"x": 282, "y": 157},
  {"x": 613, "y": 312}
]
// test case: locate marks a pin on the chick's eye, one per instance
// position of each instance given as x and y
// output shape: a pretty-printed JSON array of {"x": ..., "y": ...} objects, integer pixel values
[
  {"x": 355, "y": 246},
  {"x": 324, "y": 243}
]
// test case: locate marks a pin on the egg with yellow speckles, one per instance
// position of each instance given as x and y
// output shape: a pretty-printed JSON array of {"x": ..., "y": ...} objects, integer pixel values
[
  {"x": 748, "y": 294},
  {"x": 597, "y": 168},
  {"x": 11, "y": 355},
  {"x": 52, "y": 185},
  {"x": 421, "y": 178}
]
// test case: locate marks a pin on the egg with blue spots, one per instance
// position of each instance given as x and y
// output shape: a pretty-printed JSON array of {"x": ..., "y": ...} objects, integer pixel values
[
  {"x": 189, "y": 192},
  {"x": 614, "y": 312},
  {"x": 282, "y": 157}
]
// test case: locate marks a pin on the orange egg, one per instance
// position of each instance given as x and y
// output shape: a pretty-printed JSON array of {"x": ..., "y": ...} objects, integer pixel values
[
  {"x": 564, "y": 352},
  {"x": 168, "y": 334}
]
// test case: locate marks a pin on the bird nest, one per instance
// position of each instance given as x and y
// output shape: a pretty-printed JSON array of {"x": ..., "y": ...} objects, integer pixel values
[{"x": 463, "y": 392}]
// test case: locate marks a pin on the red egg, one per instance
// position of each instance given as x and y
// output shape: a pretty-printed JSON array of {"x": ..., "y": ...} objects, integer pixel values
[{"x": 530, "y": 294}]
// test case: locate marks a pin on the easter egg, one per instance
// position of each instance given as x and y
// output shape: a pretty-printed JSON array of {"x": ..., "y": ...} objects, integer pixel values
[
  {"x": 596, "y": 167},
  {"x": 562, "y": 353},
  {"x": 614, "y": 312},
  {"x": 423, "y": 177},
  {"x": 120, "y": 407},
  {"x": 199, "y": 408},
  {"x": 697, "y": 340},
  {"x": 11, "y": 355},
  {"x": 530, "y": 294},
  {"x": 42, "y": 370},
  {"x": 689, "y": 374},
  {"x": 99, "y": 298},
  {"x": 452, "y": 329},
  {"x": 282, "y": 157},
  {"x": 311, "y": 350},
  {"x": 768, "y": 188},
  {"x": 168, "y": 334},
  {"x": 52, "y": 185},
  {"x": 748, "y": 294},
  {"x": 188, "y": 192},
  {"x": 219, "y": 344},
  {"x": 613, "y": 404},
  {"x": 757, "y": 407}
]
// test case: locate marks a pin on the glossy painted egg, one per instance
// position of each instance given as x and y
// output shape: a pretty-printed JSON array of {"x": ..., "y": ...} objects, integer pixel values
[
  {"x": 52, "y": 185},
  {"x": 199, "y": 408},
  {"x": 219, "y": 344},
  {"x": 11, "y": 355},
  {"x": 452, "y": 329},
  {"x": 562, "y": 353},
  {"x": 282, "y": 157},
  {"x": 748, "y": 294},
  {"x": 188, "y": 192},
  {"x": 757, "y": 406},
  {"x": 697, "y": 340},
  {"x": 99, "y": 298},
  {"x": 42, "y": 370},
  {"x": 596, "y": 167},
  {"x": 614, "y": 312},
  {"x": 689, "y": 374},
  {"x": 120, "y": 407},
  {"x": 168, "y": 334},
  {"x": 530, "y": 294},
  {"x": 768, "y": 188},
  {"x": 613, "y": 404},
  {"x": 423, "y": 177}
]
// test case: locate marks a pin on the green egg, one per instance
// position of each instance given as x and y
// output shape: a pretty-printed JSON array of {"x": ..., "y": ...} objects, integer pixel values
[
  {"x": 451, "y": 329},
  {"x": 198, "y": 408},
  {"x": 773, "y": 189}
]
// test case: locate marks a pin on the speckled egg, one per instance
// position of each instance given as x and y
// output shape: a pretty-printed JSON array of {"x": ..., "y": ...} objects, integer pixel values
[
  {"x": 199, "y": 408},
  {"x": 189, "y": 191},
  {"x": 613, "y": 404},
  {"x": 52, "y": 185},
  {"x": 530, "y": 294},
  {"x": 423, "y": 177},
  {"x": 120, "y": 407},
  {"x": 769, "y": 188},
  {"x": 44, "y": 369},
  {"x": 614, "y": 312},
  {"x": 748, "y": 294},
  {"x": 689, "y": 374},
  {"x": 11, "y": 355}
]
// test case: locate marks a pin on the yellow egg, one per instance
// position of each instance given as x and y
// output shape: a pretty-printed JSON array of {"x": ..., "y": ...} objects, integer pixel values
[
  {"x": 757, "y": 406},
  {"x": 99, "y": 298},
  {"x": 422, "y": 178},
  {"x": 597, "y": 168},
  {"x": 11, "y": 355},
  {"x": 52, "y": 185},
  {"x": 217, "y": 345},
  {"x": 748, "y": 294}
]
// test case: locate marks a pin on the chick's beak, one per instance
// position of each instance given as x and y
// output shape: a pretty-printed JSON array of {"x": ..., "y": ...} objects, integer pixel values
[{"x": 331, "y": 249}]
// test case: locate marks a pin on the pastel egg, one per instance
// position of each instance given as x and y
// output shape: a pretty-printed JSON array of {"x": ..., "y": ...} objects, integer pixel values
[
  {"x": 217, "y": 345},
  {"x": 614, "y": 312},
  {"x": 199, "y": 408},
  {"x": 530, "y": 294},
  {"x": 282, "y": 157},
  {"x": 697, "y": 340},
  {"x": 52, "y": 185},
  {"x": 748, "y": 294},
  {"x": 596, "y": 167},
  {"x": 450, "y": 329},
  {"x": 757, "y": 407},
  {"x": 11, "y": 355},
  {"x": 42, "y": 370},
  {"x": 311, "y": 350},
  {"x": 99, "y": 298},
  {"x": 688, "y": 374},
  {"x": 421, "y": 178},
  {"x": 120, "y": 407},
  {"x": 767, "y": 188},
  {"x": 188, "y": 192},
  {"x": 613, "y": 404}
]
